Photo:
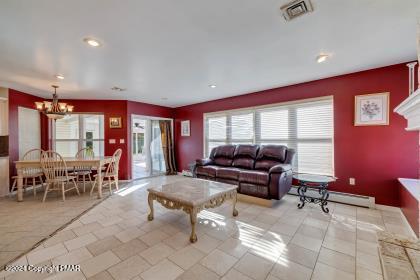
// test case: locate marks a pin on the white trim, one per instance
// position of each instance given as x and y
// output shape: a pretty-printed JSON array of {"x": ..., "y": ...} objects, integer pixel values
[
  {"x": 251, "y": 109},
  {"x": 130, "y": 128},
  {"x": 149, "y": 117}
]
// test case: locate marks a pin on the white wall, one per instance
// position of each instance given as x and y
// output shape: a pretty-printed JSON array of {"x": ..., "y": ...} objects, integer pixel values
[{"x": 4, "y": 130}]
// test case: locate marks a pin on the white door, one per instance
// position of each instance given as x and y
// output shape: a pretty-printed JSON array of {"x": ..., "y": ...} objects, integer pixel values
[
  {"x": 29, "y": 122},
  {"x": 4, "y": 161}
]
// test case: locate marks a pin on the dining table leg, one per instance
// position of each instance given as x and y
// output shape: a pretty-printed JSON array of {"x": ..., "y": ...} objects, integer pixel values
[
  {"x": 99, "y": 179},
  {"x": 19, "y": 185}
]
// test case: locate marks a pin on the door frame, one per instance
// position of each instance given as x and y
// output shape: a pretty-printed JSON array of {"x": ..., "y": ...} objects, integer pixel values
[{"x": 134, "y": 116}]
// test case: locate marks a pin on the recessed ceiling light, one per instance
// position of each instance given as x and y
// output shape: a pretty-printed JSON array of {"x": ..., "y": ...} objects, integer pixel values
[
  {"x": 212, "y": 86},
  {"x": 322, "y": 58},
  {"x": 61, "y": 77},
  {"x": 92, "y": 42}
]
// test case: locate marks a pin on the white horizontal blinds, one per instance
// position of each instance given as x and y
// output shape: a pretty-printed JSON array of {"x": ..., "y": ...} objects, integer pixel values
[
  {"x": 242, "y": 128},
  {"x": 78, "y": 131},
  {"x": 216, "y": 132},
  {"x": 315, "y": 138},
  {"x": 305, "y": 126}
]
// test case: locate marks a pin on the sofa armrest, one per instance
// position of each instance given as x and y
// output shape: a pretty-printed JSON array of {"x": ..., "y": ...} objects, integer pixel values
[
  {"x": 280, "y": 168},
  {"x": 203, "y": 162}
]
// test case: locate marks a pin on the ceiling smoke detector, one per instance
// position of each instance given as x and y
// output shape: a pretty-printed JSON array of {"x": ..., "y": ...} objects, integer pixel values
[
  {"x": 118, "y": 89},
  {"x": 296, "y": 8}
]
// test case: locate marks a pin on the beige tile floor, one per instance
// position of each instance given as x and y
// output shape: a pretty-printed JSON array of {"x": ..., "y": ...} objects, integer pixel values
[
  {"x": 24, "y": 224},
  {"x": 114, "y": 240}
]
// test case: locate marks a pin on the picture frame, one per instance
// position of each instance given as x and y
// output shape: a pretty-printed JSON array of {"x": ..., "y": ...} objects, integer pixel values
[
  {"x": 185, "y": 128},
  {"x": 115, "y": 122},
  {"x": 371, "y": 109}
]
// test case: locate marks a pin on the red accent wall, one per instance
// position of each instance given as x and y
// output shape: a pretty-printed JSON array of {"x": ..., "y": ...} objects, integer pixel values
[
  {"x": 19, "y": 99},
  {"x": 410, "y": 208},
  {"x": 375, "y": 156},
  {"x": 110, "y": 108}
]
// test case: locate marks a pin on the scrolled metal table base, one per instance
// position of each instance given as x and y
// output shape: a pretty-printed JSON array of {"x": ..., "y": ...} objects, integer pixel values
[{"x": 322, "y": 200}]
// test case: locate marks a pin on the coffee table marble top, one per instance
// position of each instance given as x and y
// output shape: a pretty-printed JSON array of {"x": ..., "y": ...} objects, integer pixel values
[{"x": 191, "y": 191}]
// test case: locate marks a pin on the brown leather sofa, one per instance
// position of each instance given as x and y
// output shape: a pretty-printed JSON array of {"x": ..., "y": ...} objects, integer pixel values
[{"x": 262, "y": 171}]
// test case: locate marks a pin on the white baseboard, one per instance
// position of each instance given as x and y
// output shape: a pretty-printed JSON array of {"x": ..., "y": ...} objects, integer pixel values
[{"x": 347, "y": 198}]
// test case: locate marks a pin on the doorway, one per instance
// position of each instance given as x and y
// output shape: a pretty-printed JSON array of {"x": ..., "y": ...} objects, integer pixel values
[{"x": 147, "y": 153}]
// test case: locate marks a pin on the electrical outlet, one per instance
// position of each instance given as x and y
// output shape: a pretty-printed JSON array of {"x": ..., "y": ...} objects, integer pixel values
[{"x": 352, "y": 181}]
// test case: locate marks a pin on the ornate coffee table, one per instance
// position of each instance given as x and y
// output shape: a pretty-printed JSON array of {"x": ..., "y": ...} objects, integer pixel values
[{"x": 192, "y": 195}]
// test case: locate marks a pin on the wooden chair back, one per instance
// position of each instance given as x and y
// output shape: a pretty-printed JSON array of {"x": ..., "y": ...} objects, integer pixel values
[
  {"x": 34, "y": 154},
  {"x": 53, "y": 165},
  {"x": 85, "y": 153},
  {"x": 113, "y": 166}
]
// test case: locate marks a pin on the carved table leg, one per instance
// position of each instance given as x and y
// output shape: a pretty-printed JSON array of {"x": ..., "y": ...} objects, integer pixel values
[
  {"x": 235, "y": 199},
  {"x": 193, "y": 218},
  {"x": 150, "y": 200}
]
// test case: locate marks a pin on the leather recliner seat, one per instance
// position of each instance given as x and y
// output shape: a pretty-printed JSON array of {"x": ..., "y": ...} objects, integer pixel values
[{"x": 263, "y": 171}]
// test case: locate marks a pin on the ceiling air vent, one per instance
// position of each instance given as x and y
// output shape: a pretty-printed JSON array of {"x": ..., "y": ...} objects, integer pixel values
[{"x": 296, "y": 8}]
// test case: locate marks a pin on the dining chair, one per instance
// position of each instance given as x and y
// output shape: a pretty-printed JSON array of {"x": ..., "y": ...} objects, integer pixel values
[
  {"x": 31, "y": 173},
  {"x": 81, "y": 172},
  {"x": 56, "y": 174},
  {"x": 110, "y": 176}
]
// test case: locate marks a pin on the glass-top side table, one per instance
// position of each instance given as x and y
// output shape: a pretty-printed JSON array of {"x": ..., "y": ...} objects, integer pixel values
[{"x": 317, "y": 182}]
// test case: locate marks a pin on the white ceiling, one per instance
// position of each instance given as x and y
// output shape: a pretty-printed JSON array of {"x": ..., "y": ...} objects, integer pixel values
[{"x": 175, "y": 49}]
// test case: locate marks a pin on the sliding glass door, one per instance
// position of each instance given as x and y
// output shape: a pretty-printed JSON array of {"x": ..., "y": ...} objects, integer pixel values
[
  {"x": 156, "y": 151},
  {"x": 147, "y": 153}
]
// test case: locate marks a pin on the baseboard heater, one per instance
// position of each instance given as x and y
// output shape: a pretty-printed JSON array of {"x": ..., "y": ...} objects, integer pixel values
[{"x": 347, "y": 198}]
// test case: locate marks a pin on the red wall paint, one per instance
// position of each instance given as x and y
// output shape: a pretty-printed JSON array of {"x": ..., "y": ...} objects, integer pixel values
[
  {"x": 376, "y": 156},
  {"x": 410, "y": 208},
  {"x": 110, "y": 108},
  {"x": 19, "y": 99}
]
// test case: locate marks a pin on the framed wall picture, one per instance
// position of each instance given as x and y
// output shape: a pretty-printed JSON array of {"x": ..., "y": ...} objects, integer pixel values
[
  {"x": 371, "y": 109},
  {"x": 185, "y": 128},
  {"x": 115, "y": 122}
]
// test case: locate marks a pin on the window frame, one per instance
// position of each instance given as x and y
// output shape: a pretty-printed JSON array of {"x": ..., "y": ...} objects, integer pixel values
[
  {"x": 82, "y": 139},
  {"x": 256, "y": 110}
]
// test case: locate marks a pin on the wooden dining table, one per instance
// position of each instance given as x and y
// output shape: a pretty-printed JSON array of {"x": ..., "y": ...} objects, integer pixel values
[{"x": 95, "y": 163}]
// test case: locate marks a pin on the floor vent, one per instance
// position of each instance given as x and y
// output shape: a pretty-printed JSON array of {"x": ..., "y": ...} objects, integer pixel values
[{"x": 296, "y": 8}]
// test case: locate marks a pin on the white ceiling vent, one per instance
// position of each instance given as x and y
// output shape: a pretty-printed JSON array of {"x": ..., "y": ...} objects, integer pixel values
[{"x": 296, "y": 8}]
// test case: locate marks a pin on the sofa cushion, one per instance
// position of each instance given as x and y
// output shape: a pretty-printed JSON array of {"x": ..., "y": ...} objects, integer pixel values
[
  {"x": 224, "y": 155},
  {"x": 245, "y": 155},
  {"x": 270, "y": 155},
  {"x": 254, "y": 177},
  {"x": 208, "y": 170},
  {"x": 228, "y": 173}
]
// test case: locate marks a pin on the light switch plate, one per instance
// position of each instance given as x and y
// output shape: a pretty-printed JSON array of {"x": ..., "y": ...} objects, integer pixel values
[
  {"x": 352, "y": 181},
  {"x": 112, "y": 141},
  {"x": 122, "y": 141}
]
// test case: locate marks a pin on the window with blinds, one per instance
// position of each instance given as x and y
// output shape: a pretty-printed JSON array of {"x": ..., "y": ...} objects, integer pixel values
[
  {"x": 78, "y": 131},
  {"x": 306, "y": 126}
]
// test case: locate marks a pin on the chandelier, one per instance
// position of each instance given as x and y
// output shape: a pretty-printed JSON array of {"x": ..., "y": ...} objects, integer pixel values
[{"x": 54, "y": 110}]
